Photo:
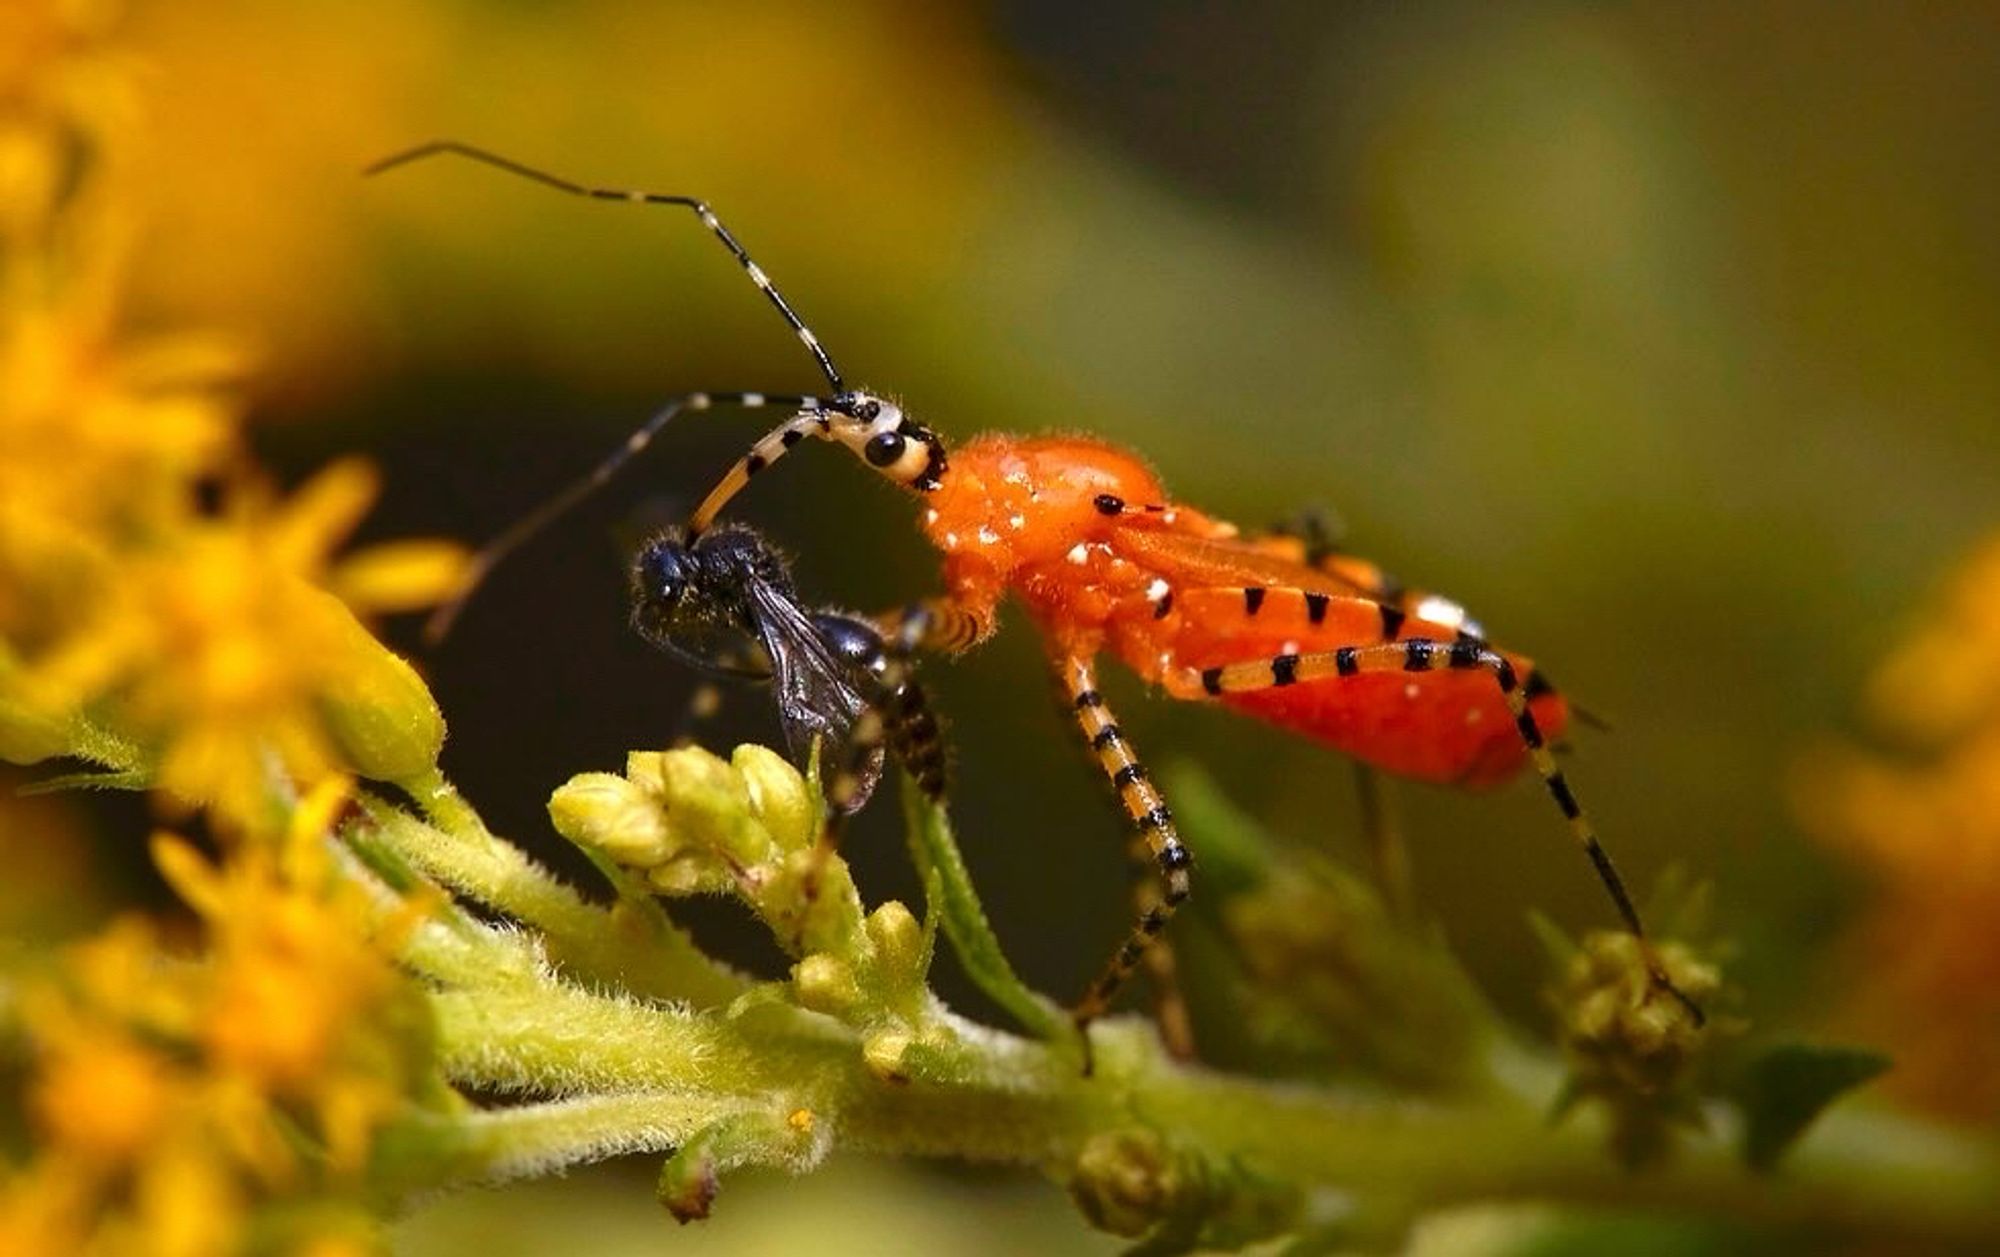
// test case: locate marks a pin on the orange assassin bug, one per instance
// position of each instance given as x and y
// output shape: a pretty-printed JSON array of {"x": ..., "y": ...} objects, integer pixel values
[{"x": 1322, "y": 644}]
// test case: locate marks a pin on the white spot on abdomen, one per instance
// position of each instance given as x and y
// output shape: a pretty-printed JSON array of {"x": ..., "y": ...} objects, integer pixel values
[{"x": 1441, "y": 611}]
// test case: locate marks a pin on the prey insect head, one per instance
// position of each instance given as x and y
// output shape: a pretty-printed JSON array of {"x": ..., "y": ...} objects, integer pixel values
[{"x": 684, "y": 587}]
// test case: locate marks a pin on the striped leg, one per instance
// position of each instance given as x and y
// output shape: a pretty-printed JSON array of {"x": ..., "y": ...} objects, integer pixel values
[
  {"x": 811, "y": 417},
  {"x": 1163, "y": 980},
  {"x": 940, "y": 625},
  {"x": 1420, "y": 654},
  {"x": 1150, "y": 817}
]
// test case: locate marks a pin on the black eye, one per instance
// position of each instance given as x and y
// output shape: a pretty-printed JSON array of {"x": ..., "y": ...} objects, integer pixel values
[
  {"x": 867, "y": 411},
  {"x": 663, "y": 573},
  {"x": 883, "y": 449}
]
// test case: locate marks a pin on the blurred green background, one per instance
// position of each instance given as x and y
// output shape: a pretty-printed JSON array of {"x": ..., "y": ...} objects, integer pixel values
[{"x": 1661, "y": 336}]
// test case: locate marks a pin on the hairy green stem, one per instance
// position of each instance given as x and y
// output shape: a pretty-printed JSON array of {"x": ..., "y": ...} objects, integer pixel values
[
  {"x": 692, "y": 1058},
  {"x": 1013, "y": 1100},
  {"x": 630, "y": 943}
]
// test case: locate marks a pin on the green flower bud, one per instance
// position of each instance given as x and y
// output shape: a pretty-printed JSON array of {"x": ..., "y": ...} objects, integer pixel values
[
  {"x": 380, "y": 714},
  {"x": 1125, "y": 1181},
  {"x": 708, "y": 807},
  {"x": 1631, "y": 1043},
  {"x": 1619, "y": 1024},
  {"x": 883, "y": 1054},
  {"x": 607, "y": 813},
  {"x": 825, "y": 985},
  {"x": 898, "y": 939},
  {"x": 780, "y": 796}
]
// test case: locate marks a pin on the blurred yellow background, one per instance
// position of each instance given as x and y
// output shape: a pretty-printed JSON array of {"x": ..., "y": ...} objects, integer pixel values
[{"x": 1662, "y": 338}]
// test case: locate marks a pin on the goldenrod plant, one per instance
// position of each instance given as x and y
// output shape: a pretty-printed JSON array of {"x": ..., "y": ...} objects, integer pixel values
[{"x": 358, "y": 997}]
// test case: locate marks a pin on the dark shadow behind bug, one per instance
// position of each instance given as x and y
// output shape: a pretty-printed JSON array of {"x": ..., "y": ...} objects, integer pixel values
[{"x": 724, "y": 603}]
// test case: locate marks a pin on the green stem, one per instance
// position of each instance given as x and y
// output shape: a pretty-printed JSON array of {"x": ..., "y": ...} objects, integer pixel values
[
  {"x": 1014, "y": 1100},
  {"x": 631, "y": 944},
  {"x": 641, "y": 1075}
]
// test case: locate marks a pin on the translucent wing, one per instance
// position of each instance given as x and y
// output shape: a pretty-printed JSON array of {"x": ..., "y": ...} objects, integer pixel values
[{"x": 819, "y": 692}]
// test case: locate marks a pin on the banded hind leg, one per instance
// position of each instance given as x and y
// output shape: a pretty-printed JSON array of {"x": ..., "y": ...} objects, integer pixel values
[
  {"x": 1169, "y": 1005},
  {"x": 1422, "y": 654},
  {"x": 1152, "y": 821}
]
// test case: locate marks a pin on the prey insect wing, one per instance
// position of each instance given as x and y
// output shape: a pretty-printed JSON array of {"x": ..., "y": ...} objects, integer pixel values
[
  {"x": 817, "y": 689},
  {"x": 723, "y": 602}
]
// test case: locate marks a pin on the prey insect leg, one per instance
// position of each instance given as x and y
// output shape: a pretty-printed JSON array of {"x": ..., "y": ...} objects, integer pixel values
[{"x": 898, "y": 717}]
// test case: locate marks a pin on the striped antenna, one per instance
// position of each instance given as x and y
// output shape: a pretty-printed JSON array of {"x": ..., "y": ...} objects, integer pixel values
[{"x": 452, "y": 148}]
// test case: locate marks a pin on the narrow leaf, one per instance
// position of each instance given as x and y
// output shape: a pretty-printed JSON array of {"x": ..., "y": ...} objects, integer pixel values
[{"x": 952, "y": 899}]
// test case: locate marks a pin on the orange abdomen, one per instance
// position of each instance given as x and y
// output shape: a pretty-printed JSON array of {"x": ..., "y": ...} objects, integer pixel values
[
  {"x": 1438, "y": 726},
  {"x": 1443, "y": 726}
]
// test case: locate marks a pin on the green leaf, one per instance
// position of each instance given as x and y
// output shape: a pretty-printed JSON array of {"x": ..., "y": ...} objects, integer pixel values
[
  {"x": 948, "y": 887},
  {"x": 1784, "y": 1090}
]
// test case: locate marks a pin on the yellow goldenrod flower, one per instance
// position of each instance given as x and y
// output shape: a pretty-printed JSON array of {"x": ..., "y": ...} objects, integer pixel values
[
  {"x": 61, "y": 82},
  {"x": 224, "y": 651},
  {"x": 170, "y": 1095},
  {"x": 292, "y": 964},
  {"x": 106, "y": 1100},
  {"x": 1944, "y": 679},
  {"x": 105, "y": 437}
]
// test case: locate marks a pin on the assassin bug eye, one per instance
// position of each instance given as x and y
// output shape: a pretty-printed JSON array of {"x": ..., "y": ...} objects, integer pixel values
[{"x": 883, "y": 449}]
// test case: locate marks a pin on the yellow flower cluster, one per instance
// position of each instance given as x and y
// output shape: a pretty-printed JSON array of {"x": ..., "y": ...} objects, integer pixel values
[
  {"x": 167, "y": 617},
  {"x": 170, "y": 1094},
  {"x": 1921, "y": 975},
  {"x": 209, "y": 650}
]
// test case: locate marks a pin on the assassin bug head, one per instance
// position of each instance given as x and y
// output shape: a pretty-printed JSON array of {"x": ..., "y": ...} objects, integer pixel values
[{"x": 875, "y": 430}]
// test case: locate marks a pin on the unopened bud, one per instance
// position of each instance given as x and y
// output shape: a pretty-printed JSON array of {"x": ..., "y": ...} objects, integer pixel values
[
  {"x": 824, "y": 984},
  {"x": 898, "y": 938},
  {"x": 609, "y": 814},
  {"x": 779, "y": 796},
  {"x": 1125, "y": 1181},
  {"x": 380, "y": 714},
  {"x": 883, "y": 1053}
]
